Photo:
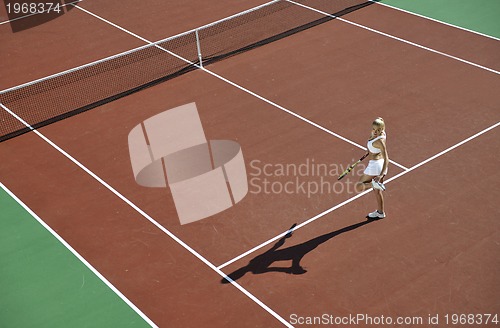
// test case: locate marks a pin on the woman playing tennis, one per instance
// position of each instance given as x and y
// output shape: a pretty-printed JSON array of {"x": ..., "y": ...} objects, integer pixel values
[{"x": 374, "y": 174}]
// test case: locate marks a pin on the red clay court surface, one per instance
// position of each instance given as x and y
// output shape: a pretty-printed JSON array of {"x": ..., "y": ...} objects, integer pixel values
[{"x": 435, "y": 253}]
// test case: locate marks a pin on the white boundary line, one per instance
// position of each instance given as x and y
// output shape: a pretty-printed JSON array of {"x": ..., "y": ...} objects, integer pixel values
[
  {"x": 219, "y": 268},
  {"x": 37, "y": 13},
  {"x": 355, "y": 197},
  {"x": 396, "y": 38},
  {"x": 79, "y": 257},
  {"x": 435, "y": 20},
  {"x": 237, "y": 86},
  {"x": 180, "y": 242},
  {"x": 149, "y": 218}
]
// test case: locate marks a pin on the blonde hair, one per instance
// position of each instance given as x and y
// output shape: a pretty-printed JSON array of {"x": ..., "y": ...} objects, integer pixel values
[{"x": 379, "y": 123}]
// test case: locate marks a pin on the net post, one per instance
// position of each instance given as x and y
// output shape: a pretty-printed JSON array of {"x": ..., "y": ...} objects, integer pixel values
[{"x": 200, "y": 58}]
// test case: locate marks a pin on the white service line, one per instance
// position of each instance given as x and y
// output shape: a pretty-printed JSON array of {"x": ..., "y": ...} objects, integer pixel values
[
  {"x": 238, "y": 86},
  {"x": 37, "y": 13},
  {"x": 145, "y": 215},
  {"x": 434, "y": 20},
  {"x": 396, "y": 38},
  {"x": 356, "y": 197},
  {"x": 294, "y": 114},
  {"x": 81, "y": 258}
]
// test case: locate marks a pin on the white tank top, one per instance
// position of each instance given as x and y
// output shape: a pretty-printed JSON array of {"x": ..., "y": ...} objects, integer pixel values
[{"x": 373, "y": 149}]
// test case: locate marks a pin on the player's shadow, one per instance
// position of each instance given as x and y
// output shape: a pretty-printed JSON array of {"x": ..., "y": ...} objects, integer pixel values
[{"x": 263, "y": 262}]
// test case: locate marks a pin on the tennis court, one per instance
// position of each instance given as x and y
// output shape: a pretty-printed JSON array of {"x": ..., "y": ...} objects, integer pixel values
[{"x": 296, "y": 84}]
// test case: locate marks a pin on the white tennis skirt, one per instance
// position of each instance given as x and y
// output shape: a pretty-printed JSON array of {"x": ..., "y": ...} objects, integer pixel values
[{"x": 374, "y": 167}]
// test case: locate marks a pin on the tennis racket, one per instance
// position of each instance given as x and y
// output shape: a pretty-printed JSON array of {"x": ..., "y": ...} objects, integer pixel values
[{"x": 350, "y": 167}]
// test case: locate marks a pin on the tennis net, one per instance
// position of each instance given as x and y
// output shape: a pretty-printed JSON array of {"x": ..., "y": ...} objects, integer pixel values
[{"x": 62, "y": 95}]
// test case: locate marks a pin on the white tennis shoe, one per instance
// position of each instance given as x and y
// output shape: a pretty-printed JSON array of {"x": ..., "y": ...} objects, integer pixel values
[
  {"x": 378, "y": 185},
  {"x": 376, "y": 215}
]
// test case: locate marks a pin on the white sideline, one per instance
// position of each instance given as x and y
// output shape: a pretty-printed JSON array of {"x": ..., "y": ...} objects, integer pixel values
[
  {"x": 435, "y": 20},
  {"x": 396, "y": 38},
  {"x": 81, "y": 258},
  {"x": 149, "y": 218},
  {"x": 356, "y": 197}
]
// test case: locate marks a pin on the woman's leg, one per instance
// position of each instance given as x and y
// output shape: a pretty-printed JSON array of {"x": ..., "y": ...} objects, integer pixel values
[
  {"x": 380, "y": 200},
  {"x": 364, "y": 183}
]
